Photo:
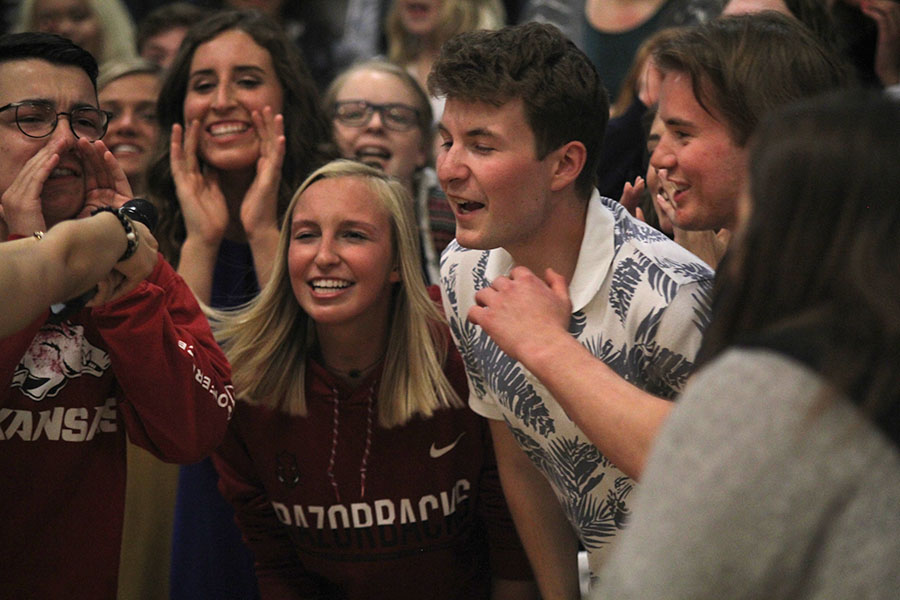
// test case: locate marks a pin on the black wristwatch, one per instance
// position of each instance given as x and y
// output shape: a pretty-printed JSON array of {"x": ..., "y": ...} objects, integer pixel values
[
  {"x": 138, "y": 209},
  {"x": 141, "y": 209}
]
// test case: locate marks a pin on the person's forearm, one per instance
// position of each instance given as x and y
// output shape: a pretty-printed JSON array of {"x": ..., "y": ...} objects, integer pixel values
[
  {"x": 87, "y": 250},
  {"x": 26, "y": 277},
  {"x": 546, "y": 534},
  {"x": 619, "y": 418},
  {"x": 527, "y": 318},
  {"x": 68, "y": 261}
]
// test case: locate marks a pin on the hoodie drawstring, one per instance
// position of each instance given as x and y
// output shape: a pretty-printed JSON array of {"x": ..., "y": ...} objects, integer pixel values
[{"x": 370, "y": 426}]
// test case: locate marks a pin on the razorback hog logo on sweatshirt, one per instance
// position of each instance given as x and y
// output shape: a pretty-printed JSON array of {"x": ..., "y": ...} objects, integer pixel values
[
  {"x": 286, "y": 469},
  {"x": 57, "y": 353}
]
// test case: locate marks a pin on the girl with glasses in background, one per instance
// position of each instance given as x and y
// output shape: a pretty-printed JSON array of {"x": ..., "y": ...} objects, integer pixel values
[{"x": 380, "y": 116}]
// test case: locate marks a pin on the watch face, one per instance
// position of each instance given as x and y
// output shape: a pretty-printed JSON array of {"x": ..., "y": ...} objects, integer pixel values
[{"x": 141, "y": 209}]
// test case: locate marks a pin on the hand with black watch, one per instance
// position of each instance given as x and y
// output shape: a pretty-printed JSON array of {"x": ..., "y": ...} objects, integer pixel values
[{"x": 136, "y": 209}]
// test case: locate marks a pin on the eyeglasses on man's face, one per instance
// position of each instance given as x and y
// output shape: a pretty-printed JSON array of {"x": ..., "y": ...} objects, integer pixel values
[
  {"x": 358, "y": 113},
  {"x": 38, "y": 119}
]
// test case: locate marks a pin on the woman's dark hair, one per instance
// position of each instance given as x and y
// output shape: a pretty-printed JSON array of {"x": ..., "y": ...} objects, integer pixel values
[
  {"x": 819, "y": 254},
  {"x": 306, "y": 129}
]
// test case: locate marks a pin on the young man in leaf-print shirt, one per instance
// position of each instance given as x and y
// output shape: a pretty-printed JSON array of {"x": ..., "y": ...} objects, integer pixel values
[{"x": 523, "y": 122}]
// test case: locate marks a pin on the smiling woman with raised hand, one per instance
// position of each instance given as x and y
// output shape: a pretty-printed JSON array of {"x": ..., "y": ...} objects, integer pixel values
[
  {"x": 242, "y": 128},
  {"x": 350, "y": 406}
]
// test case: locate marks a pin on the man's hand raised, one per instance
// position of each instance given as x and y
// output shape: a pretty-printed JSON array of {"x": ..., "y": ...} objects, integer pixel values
[{"x": 105, "y": 183}]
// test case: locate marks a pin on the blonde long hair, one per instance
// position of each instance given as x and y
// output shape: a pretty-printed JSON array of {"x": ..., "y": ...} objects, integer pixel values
[
  {"x": 268, "y": 340},
  {"x": 457, "y": 16},
  {"x": 113, "y": 17}
]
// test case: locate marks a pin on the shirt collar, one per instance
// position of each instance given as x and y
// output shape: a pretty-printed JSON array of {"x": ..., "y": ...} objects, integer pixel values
[{"x": 594, "y": 256}]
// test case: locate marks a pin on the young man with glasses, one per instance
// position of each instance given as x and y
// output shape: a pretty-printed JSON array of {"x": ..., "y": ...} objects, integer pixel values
[{"x": 139, "y": 362}]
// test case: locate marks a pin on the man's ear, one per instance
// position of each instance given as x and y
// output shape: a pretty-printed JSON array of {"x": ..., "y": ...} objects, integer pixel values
[{"x": 568, "y": 161}]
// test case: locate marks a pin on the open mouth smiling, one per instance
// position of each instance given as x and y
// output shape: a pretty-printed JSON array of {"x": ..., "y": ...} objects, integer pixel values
[
  {"x": 329, "y": 285},
  {"x": 671, "y": 190},
  {"x": 374, "y": 156},
  {"x": 222, "y": 129},
  {"x": 676, "y": 193},
  {"x": 125, "y": 148}
]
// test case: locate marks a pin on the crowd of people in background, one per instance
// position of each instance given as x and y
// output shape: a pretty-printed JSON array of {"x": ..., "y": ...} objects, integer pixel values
[{"x": 444, "y": 299}]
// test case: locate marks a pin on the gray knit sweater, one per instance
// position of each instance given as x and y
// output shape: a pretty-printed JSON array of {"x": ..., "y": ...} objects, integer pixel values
[{"x": 757, "y": 488}]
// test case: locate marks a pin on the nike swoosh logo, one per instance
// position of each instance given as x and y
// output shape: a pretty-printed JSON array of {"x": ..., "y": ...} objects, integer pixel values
[{"x": 434, "y": 452}]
